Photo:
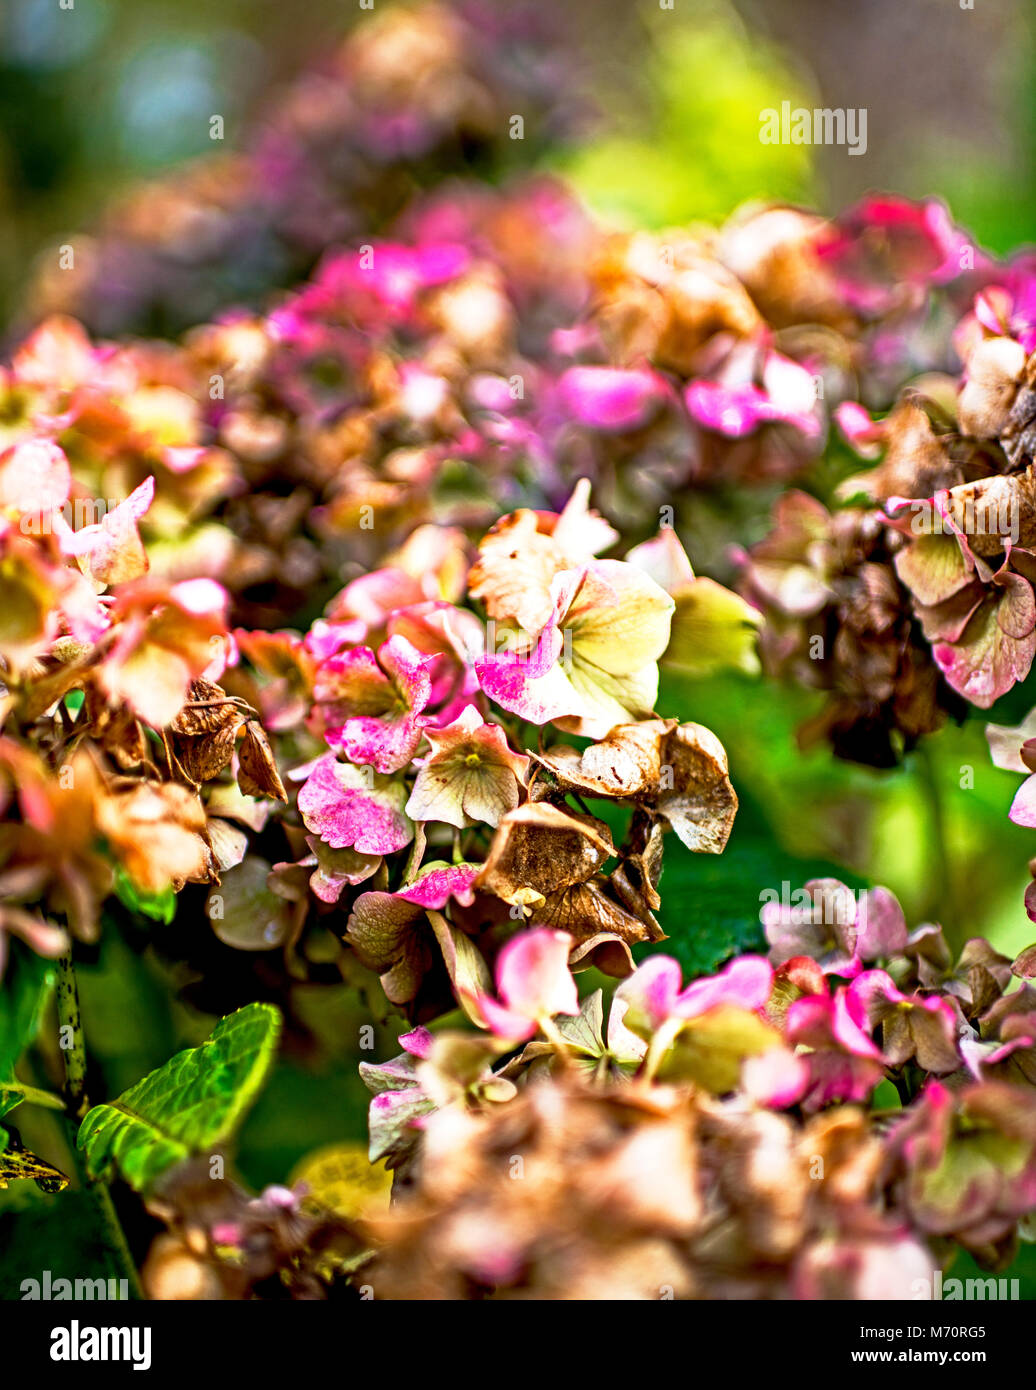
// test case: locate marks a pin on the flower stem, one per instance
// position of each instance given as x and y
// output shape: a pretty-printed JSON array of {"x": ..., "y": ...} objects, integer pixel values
[
  {"x": 416, "y": 854},
  {"x": 47, "y": 1100},
  {"x": 71, "y": 1035},
  {"x": 556, "y": 1038}
]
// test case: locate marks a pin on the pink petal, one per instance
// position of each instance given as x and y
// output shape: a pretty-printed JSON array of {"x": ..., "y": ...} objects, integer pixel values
[
  {"x": 533, "y": 977},
  {"x": 1023, "y": 807},
  {"x": 435, "y": 888},
  {"x": 747, "y": 983},
  {"x": 611, "y": 398}
]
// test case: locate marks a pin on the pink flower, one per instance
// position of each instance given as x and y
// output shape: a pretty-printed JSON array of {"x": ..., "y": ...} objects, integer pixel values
[
  {"x": 372, "y": 707},
  {"x": 653, "y": 995},
  {"x": 736, "y": 406},
  {"x": 921, "y": 1026},
  {"x": 534, "y": 983},
  {"x": 111, "y": 551},
  {"x": 612, "y": 622},
  {"x": 34, "y": 478},
  {"x": 350, "y": 806},
  {"x": 612, "y": 398},
  {"x": 888, "y": 244},
  {"x": 844, "y": 1062}
]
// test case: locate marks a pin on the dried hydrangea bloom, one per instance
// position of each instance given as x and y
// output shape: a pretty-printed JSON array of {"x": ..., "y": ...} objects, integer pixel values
[
  {"x": 391, "y": 932},
  {"x": 222, "y": 1243},
  {"x": 349, "y": 807},
  {"x": 964, "y": 1163},
  {"x": 731, "y": 1210},
  {"x": 371, "y": 707},
  {"x": 594, "y": 664},
  {"x": 838, "y": 619},
  {"x": 470, "y": 776}
]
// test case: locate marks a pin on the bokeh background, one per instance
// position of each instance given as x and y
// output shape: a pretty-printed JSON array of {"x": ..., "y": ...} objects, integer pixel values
[
  {"x": 95, "y": 97},
  {"x": 99, "y": 96}
]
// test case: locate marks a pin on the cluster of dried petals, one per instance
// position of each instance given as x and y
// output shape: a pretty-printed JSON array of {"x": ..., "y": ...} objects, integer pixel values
[
  {"x": 221, "y": 1243},
  {"x": 939, "y": 578},
  {"x": 115, "y": 734},
  {"x": 548, "y": 1196},
  {"x": 430, "y": 825},
  {"x": 747, "y": 1096},
  {"x": 838, "y": 620}
]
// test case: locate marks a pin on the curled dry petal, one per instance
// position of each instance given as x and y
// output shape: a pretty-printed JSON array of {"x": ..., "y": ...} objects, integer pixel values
[{"x": 539, "y": 849}]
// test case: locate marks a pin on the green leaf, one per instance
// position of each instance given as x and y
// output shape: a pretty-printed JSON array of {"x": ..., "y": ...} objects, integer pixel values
[
  {"x": 189, "y": 1105},
  {"x": 886, "y": 1097},
  {"x": 160, "y": 907}
]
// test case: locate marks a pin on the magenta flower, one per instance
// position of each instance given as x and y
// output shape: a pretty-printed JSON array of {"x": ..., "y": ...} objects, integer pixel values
[
  {"x": 391, "y": 274},
  {"x": 372, "y": 707},
  {"x": 349, "y": 806},
  {"x": 881, "y": 926},
  {"x": 612, "y": 398},
  {"x": 653, "y": 994},
  {"x": 844, "y": 1062},
  {"x": 889, "y": 248},
  {"x": 534, "y": 983},
  {"x": 735, "y": 405},
  {"x": 921, "y": 1026}
]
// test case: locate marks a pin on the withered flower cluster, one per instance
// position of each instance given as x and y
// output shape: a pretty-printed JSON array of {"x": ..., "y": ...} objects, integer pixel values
[
  {"x": 726, "y": 1139},
  {"x": 312, "y": 608},
  {"x": 911, "y": 594},
  {"x": 121, "y": 757}
]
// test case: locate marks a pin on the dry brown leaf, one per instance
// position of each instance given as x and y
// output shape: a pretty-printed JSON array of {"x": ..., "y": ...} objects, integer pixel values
[{"x": 257, "y": 768}]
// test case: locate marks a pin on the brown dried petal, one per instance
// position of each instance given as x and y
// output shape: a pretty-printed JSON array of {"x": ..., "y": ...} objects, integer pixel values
[
  {"x": 512, "y": 575},
  {"x": 205, "y": 756},
  {"x": 702, "y": 803},
  {"x": 584, "y": 909},
  {"x": 994, "y": 369},
  {"x": 206, "y": 709},
  {"x": 1025, "y": 964},
  {"x": 1019, "y": 436},
  {"x": 635, "y": 881},
  {"x": 917, "y": 462},
  {"x": 627, "y": 762},
  {"x": 257, "y": 768},
  {"x": 994, "y": 509},
  {"x": 158, "y": 832},
  {"x": 540, "y": 849}
]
